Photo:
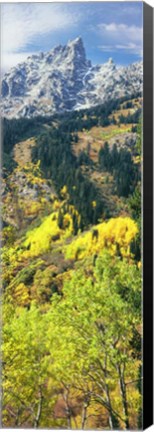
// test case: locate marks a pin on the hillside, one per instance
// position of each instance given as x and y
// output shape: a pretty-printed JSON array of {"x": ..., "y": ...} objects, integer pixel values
[{"x": 71, "y": 261}]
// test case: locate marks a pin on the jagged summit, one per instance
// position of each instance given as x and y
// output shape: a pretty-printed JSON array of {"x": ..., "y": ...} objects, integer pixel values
[
  {"x": 63, "y": 79},
  {"x": 77, "y": 42},
  {"x": 110, "y": 61},
  {"x": 76, "y": 47}
]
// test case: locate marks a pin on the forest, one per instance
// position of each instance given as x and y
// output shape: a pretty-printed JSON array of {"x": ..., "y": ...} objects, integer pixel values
[{"x": 71, "y": 267}]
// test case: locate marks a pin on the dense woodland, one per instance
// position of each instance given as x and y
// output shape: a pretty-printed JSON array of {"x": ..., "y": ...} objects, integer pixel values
[{"x": 71, "y": 257}]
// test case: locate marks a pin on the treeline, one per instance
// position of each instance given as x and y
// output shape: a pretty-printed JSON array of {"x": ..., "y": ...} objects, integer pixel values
[
  {"x": 58, "y": 161},
  {"x": 95, "y": 116},
  {"x": 16, "y": 130}
]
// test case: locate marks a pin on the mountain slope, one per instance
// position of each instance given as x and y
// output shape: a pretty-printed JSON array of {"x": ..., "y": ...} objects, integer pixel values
[{"x": 63, "y": 80}]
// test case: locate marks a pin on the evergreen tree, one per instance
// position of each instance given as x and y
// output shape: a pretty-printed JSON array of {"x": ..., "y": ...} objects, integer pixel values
[{"x": 60, "y": 220}]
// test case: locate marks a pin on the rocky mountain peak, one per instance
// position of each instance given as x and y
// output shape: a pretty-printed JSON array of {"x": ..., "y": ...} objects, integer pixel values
[
  {"x": 110, "y": 61},
  {"x": 77, "y": 47},
  {"x": 76, "y": 44},
  {"x": 63, "y": 79},
  {"x": 74, "y": 52}
]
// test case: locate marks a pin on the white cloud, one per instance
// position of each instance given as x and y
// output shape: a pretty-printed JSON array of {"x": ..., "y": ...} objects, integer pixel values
[
  {"x": 9, "y": 59},
  {"x": 22, "y": 23},
  {"x": 121, "y": 37},
  {"x": 106, "y": 48},
  {"x": 120, "y": 31},
  {"x": 129, "y": 46}
]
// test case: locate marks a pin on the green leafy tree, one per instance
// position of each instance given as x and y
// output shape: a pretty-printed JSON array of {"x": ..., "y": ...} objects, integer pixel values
[
  {"x": 26, "y": 397},
  {"x": 94, "y": 351}
]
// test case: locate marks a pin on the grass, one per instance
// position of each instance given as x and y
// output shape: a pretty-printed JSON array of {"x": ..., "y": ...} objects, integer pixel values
[
  {"x": 22, "y": 151},
  {"x": 107, "y": 134},
  {"x": 97, "y": 136}
]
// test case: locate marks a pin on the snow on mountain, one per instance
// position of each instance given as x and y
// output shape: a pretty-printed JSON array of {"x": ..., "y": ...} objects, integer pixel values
[{"x": 63, "y": 79}]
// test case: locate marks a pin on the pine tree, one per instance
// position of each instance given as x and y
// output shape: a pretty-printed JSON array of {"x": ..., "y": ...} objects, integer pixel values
[{"x": 60, "y": 219}]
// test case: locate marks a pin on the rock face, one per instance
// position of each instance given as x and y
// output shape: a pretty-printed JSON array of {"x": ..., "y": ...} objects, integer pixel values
[{"x": 63, "y": 79}]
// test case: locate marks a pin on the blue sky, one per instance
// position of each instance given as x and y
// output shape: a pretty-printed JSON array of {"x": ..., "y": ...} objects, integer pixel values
[{"x": 108, "y": 29}]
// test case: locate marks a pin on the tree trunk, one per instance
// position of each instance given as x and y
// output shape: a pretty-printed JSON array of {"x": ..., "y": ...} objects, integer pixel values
[
  {"x": 68, "y": 409},
  {"x": 39, "y": 411},
  {"x": 19, "y": 412},
  {"x": 124, "y": 396},
  {"x": 84, "y": 412},
  {"x": 113, "y": 421}
]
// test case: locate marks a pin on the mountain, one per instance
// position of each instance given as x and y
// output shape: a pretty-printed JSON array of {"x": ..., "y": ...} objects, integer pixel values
[{"x": 64, "y": 80}]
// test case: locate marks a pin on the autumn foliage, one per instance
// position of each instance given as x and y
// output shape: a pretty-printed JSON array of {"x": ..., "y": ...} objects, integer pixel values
[{"x": 71, "y": 265}]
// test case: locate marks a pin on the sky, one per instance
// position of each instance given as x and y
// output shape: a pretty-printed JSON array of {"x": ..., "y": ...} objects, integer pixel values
[{"x": 108, "y": 29}]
